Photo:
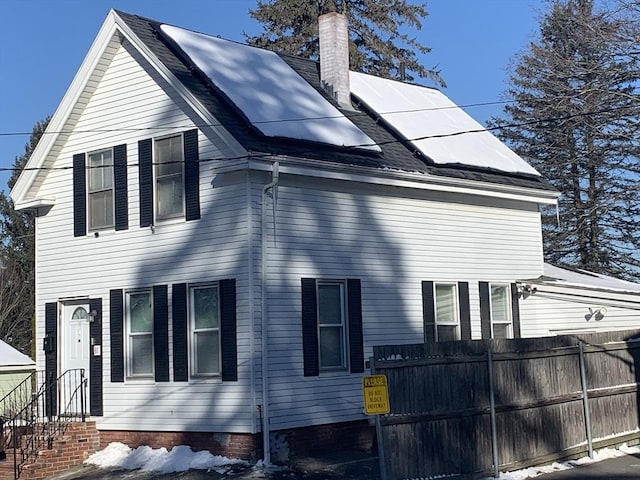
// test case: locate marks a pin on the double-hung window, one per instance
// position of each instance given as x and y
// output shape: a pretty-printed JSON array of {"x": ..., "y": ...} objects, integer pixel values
[
  {"x": 499, "y": 310},
  {"x": 101, "y": 189},
  {"x": 139, "y": 329},
  {"x": 332, "y": 333},
  {"x": 446, "y": 312},
  {"x": 169, "y": 177},
  {"x": 332, "y": 325},
  {"x": 501, "y": 316},
  {"x": 204, "y": 317}
]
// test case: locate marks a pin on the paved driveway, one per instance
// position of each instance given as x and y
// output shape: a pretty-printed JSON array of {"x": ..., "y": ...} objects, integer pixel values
[
  {"x": 348, "y": 467},
  {"x": 620, "y": 468}
]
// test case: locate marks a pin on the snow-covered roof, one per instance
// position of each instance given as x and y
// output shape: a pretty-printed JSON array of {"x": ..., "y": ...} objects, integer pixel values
[
  {"x": 586, "y": 279},
  {"x": 273, "y": 96},
  {"x": 10, "y": 357},
  {"x": 432, "y": 123}
]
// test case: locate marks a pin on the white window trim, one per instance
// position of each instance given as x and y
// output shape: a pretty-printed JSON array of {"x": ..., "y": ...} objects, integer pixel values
[
  {"x": 456, "y": 298},
  {"x": 129, "y": 334},
  {"x": 156, "y": 197},
  {"x": 191, "y": 325},
  {"x": 509, "y": 323},
  {"x": 89, "y": 191},
  {"x": 344, "y": 326}
]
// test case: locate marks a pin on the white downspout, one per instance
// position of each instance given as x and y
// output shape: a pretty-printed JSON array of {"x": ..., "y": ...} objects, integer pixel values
[{"x": 264, "y": 333}]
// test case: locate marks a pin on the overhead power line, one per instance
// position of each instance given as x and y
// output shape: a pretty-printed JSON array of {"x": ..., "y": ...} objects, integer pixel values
[{"x": 388, "y": 142}]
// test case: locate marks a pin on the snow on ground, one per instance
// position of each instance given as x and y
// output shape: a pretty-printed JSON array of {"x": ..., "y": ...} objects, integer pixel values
[
  {"x": 598, "y": 456},
  {"x": 181, "y": 458}
]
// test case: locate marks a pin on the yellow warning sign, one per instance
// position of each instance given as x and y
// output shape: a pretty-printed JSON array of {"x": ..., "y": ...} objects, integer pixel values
[{"x": 375, "y": 394}]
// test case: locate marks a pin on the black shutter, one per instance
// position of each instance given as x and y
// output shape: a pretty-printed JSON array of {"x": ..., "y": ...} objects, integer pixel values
[
  {"x": 79, "y": 196},
  {"x": 191, "y": 175},
  {"x": 161, "y": 333},
  {"x": 228, "y": 330},
  {"x": 145, "y": 166},
  {"x": 51, "y": 357},
  {"x": 428, "y": 312},
  {"x": 120, "y": 181},
  {"x": 356, "y": 338},
  {"x": 465, "y": 313},
  {"x": 180, "y": 346},
  {"x": 95, "y": 361},
  {"x": 515, "y": 310},
  {"x": 116, "y": 321},
  {"x": 310, "y": 328},
  {"x": 485, "y": 310}
]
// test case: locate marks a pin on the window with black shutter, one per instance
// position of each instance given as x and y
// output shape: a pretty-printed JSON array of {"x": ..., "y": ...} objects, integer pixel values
[
  {"x": 169, "y": 175},
  {"x": 332, "y": 332}
]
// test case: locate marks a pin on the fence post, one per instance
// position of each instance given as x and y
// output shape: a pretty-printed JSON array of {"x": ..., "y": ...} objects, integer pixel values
[
  {"x": 492, "y": 405},
  {"x": 379, "y": 436},
  {"x": 585, "y": 398}
]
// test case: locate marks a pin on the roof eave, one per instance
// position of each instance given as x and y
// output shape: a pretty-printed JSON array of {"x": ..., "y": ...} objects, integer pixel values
[
  {"x": 391, "y": 177},
  {"x": 19, "y": 193}
]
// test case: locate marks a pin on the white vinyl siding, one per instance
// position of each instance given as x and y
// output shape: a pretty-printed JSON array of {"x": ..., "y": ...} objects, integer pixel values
[
  {"x": 125, "y": 104},
  {"x": 392, "y": 239}
]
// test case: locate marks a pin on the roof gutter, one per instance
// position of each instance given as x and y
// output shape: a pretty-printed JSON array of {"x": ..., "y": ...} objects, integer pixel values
[{"x": 392, "y": 178}]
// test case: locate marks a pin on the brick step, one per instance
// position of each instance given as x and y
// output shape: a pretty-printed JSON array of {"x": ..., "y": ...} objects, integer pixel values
[{"x": 6, "y": 466}]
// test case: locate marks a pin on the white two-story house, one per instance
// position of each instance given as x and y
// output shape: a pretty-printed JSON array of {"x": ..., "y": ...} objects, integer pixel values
[{"x": 223, "y": 233}]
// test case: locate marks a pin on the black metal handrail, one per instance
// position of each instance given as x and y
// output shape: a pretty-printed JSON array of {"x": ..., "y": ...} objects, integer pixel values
[{"x": 34, "y": 426}]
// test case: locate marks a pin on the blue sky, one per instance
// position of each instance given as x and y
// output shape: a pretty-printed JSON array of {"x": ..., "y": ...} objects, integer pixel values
[{"x": 43, "y": 42}]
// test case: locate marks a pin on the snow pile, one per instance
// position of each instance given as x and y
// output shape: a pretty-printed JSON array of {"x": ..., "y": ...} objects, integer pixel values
[
  {"x": 181, "y": 458},
  {"x": 604, "y": 454}
]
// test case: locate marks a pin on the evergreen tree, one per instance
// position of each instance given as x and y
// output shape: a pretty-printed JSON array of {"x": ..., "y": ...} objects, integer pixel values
[
  {"x": 17, "y": 253},
  {"x": 574, "y": 117},
  {"x": 377, "y": 45}
]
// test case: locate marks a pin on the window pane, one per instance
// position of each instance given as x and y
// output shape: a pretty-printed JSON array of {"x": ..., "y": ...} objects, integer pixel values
[
  {"x": 500, "y": 311},
  {"x": 446, "y": 304},
  {"x": 169, "y": 156},
  {"x": 100, "y": 170},
  {"x": 447, "y": 333},
  {"x": 80, "y": 314},
  {"x": 140, "y": 311},
  {"x": 169, "y": 191},
  {"x": 207, "y": 357},
  {"x": 205, "y": 307},
  {"x": 501, "y": 330},
  {"x": 101, "y": 209},
  {"x": 141, "y": 355},
  {"x": 331, "y": 347},
  {"x": 330, "y": 304}
]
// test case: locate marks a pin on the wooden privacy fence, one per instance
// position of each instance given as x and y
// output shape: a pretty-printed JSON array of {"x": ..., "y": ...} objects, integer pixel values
[{"x": 475, "y": 407}]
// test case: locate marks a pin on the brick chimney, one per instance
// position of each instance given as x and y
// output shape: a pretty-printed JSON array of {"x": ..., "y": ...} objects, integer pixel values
[{"x": 334, "y": 56}]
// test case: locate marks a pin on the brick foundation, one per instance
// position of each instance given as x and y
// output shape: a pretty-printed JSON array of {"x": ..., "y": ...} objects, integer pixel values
[
  {"x": 284, "y": 443},
  {"x": 232, "y": 445},
  {"x": 334, "y": 437}
]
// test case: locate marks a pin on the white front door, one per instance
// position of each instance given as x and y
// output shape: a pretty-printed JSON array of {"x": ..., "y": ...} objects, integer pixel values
[{"x": 74, "y": 353}]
